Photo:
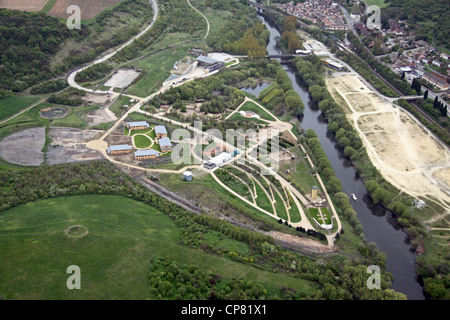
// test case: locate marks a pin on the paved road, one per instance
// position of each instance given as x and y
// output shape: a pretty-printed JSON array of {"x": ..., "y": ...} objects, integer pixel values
[{"x": 71, "y": 77}]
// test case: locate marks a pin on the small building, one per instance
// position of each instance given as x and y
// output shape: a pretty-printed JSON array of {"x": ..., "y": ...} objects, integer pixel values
[
  {"x": 220, "y": 159},
  {"x": 119, "y": 149},
  {"x": 164, "y": 107},
  {"x": 139, "y": 125},
  {"x": 333, "y": 64},
  {"x": 210, "y": 64},
  {"x": 146, "y": 154},
  {"x": 165, "y": 144},
  {"x": 187, "y": 176},
  {"x": 160, "y": 132}
]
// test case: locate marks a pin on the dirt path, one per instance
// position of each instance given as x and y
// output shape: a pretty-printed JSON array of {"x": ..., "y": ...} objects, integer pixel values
[{"x": 207, "y": 22}]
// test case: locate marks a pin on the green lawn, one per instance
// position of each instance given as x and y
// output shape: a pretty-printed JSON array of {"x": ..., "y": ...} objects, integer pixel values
[
  {"x": 279, "y": 205},
  {"x": 315, "y": 214},
  {"x": 251, "y": 106},
  {"x": 237, "y": 117},
  {"x": 142, "y": 142},
  {"x": 262, "y": 200},
  {"x": 15, "y": 104},
  {"x": 123, "y": 235}
]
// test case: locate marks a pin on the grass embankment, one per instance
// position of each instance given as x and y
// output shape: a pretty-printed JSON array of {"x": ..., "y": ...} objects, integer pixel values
[
  {"x": 13, "y": 105},
  {"x": 123, "y": 235}
]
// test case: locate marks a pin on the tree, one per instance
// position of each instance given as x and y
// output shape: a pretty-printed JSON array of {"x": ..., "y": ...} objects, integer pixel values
[
  {"x": 425, "y": 95},
  {"x": 294, "y": 44}
]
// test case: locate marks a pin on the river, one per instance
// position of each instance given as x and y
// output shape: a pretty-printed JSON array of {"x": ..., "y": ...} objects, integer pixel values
[{"x": 379, "y": 224}]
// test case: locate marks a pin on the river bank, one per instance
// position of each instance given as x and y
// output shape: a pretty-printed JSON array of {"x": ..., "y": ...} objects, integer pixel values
[{"x": 379, "y": 224}]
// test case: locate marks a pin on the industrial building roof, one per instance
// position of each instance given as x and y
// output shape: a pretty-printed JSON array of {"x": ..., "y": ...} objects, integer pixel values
[{"x": 206, "y": 60}]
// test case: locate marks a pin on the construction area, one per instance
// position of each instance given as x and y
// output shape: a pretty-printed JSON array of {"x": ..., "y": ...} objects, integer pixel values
[{"x": 402, "y": 149}]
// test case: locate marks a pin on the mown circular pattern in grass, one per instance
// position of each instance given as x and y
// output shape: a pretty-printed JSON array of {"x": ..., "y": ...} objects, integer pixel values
[{"x": 77, "y": 231}]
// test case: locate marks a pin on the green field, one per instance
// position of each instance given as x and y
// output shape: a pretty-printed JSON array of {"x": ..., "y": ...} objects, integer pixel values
[
  {"x": 142, "y": 142},
  {"x": 13, "y": 105},
  {"x": 251, "y": 106},
  {"x": 380, "y": 3},
  {"x": 217, "y": 18},
  {"x": 157, "y": 69},
  {"x": 123, "y": 235},
  {"x": 238, "y": 118}
]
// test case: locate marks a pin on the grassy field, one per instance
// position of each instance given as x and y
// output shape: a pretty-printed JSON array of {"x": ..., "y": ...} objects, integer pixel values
[
  {"x": 123, "y": 235},
  {"x": 251, "y": 106},
  {"x": 380, "y": 3},
  {"x": 15, "y": 104},
  {"x": 157, "y": 69},
  {"x": 217, "y": 18},
  {"x": 142, "y": 142},
  {"x": 237, "y": 117}
]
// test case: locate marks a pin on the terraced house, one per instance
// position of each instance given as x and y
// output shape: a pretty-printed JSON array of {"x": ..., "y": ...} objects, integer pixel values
[
  {"x": 160, "y": 132},
  {"x": 139, "y": 125},
  {"x": 146, "y": 154},
  {"x": 119, "y": 149},
  {"x": 165, "y": 144}
]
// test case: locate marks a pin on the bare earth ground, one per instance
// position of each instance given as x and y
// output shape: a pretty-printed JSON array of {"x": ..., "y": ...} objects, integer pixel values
[
  {"x": 404, "y": 152},
  {"x": 122, "y": 79},
  {"x": 101, "y": 115},
  {"x": 89, "y": 8},
  {"x": 24, "y": 147},
  {"x": 23, "y": 5},
  {"x": 68, "y": 145}
]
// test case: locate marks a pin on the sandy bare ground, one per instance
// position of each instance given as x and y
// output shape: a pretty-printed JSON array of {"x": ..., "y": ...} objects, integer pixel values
[
  {"x": 24, "y": 147},
  {"x": 23, "y": 5},
  {"x": 68, "y": 145},
  {"x": 122, "y": 78},
  {"x": 298, "y": 243},
  {"x": 404, "y": 152}
]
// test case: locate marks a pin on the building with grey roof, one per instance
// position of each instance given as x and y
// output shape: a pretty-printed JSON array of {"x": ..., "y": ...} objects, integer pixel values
[
  {"x": 146, "y": 154},
  {"x": 160, "y": 132},
  {"x": 119, "y": 149},
  {"x": 138, "y": 125},
  {"x": 165, "y": 144}
]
